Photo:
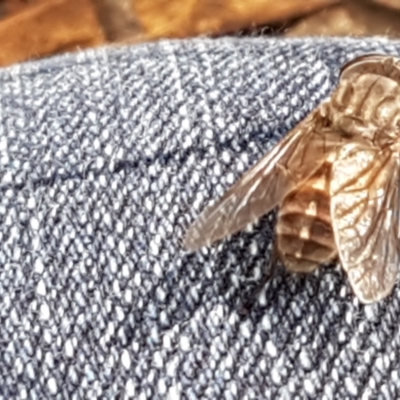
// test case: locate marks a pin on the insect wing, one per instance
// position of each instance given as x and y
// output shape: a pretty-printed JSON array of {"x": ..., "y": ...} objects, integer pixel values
[
  {"x": 263, "y": 186},
  {"x": 365, "y": 218}
]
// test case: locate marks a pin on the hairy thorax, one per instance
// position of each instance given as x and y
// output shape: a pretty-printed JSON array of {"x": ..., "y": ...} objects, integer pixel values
[{"x": 368, "y": 107}]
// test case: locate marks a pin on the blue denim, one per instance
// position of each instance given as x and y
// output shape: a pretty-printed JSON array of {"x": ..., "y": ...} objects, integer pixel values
[{"x": 106, "y": 157}]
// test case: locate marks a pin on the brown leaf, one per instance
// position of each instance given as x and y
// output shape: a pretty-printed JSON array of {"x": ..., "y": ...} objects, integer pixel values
[
  {"x": 48, "y": 27},
  {"x": 354, "y": 18},
  {"x": 183, "y": 18}
]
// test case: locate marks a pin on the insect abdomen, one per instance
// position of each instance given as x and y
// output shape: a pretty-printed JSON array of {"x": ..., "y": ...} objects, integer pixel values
[{"x": 304, "y": 229}]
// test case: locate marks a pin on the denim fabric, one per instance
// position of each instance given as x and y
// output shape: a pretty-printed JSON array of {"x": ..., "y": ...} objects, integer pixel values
[{"x": 106, "y": 157}]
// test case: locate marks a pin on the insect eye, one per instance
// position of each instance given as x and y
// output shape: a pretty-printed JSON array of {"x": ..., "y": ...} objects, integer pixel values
[
  {"x": 361, "y": 63},
  {"x": 377, "y": 64}
]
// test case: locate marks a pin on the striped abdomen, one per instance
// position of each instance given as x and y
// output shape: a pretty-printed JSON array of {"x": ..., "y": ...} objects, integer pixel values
[{"x": 304, "y": 230}]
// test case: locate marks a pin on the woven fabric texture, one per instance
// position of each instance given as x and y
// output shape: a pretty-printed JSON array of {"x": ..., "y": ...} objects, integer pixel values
[{"x": 106, "y": 157}]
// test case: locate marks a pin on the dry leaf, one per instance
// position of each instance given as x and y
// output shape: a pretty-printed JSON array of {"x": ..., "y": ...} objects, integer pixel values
[
  {"x": 184, "y": 18},
  {"x": 48, "y": 27},
  {"x": 354, "y": 18}
]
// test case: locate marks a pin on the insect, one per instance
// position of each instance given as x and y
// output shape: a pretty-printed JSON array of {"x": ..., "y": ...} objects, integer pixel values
[{"x": 335, "y": 178}]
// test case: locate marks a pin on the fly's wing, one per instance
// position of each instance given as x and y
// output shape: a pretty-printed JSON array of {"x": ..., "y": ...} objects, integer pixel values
[
  {"x": 263, "y": 186},
  {"x": 365, "y": 218}
]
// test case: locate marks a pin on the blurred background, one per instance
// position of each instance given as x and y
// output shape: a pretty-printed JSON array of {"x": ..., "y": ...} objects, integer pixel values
[{"x": 31, "y": 29}]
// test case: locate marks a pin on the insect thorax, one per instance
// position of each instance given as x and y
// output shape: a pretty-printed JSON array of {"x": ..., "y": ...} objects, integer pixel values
[{"x": 367, "y": 105}]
